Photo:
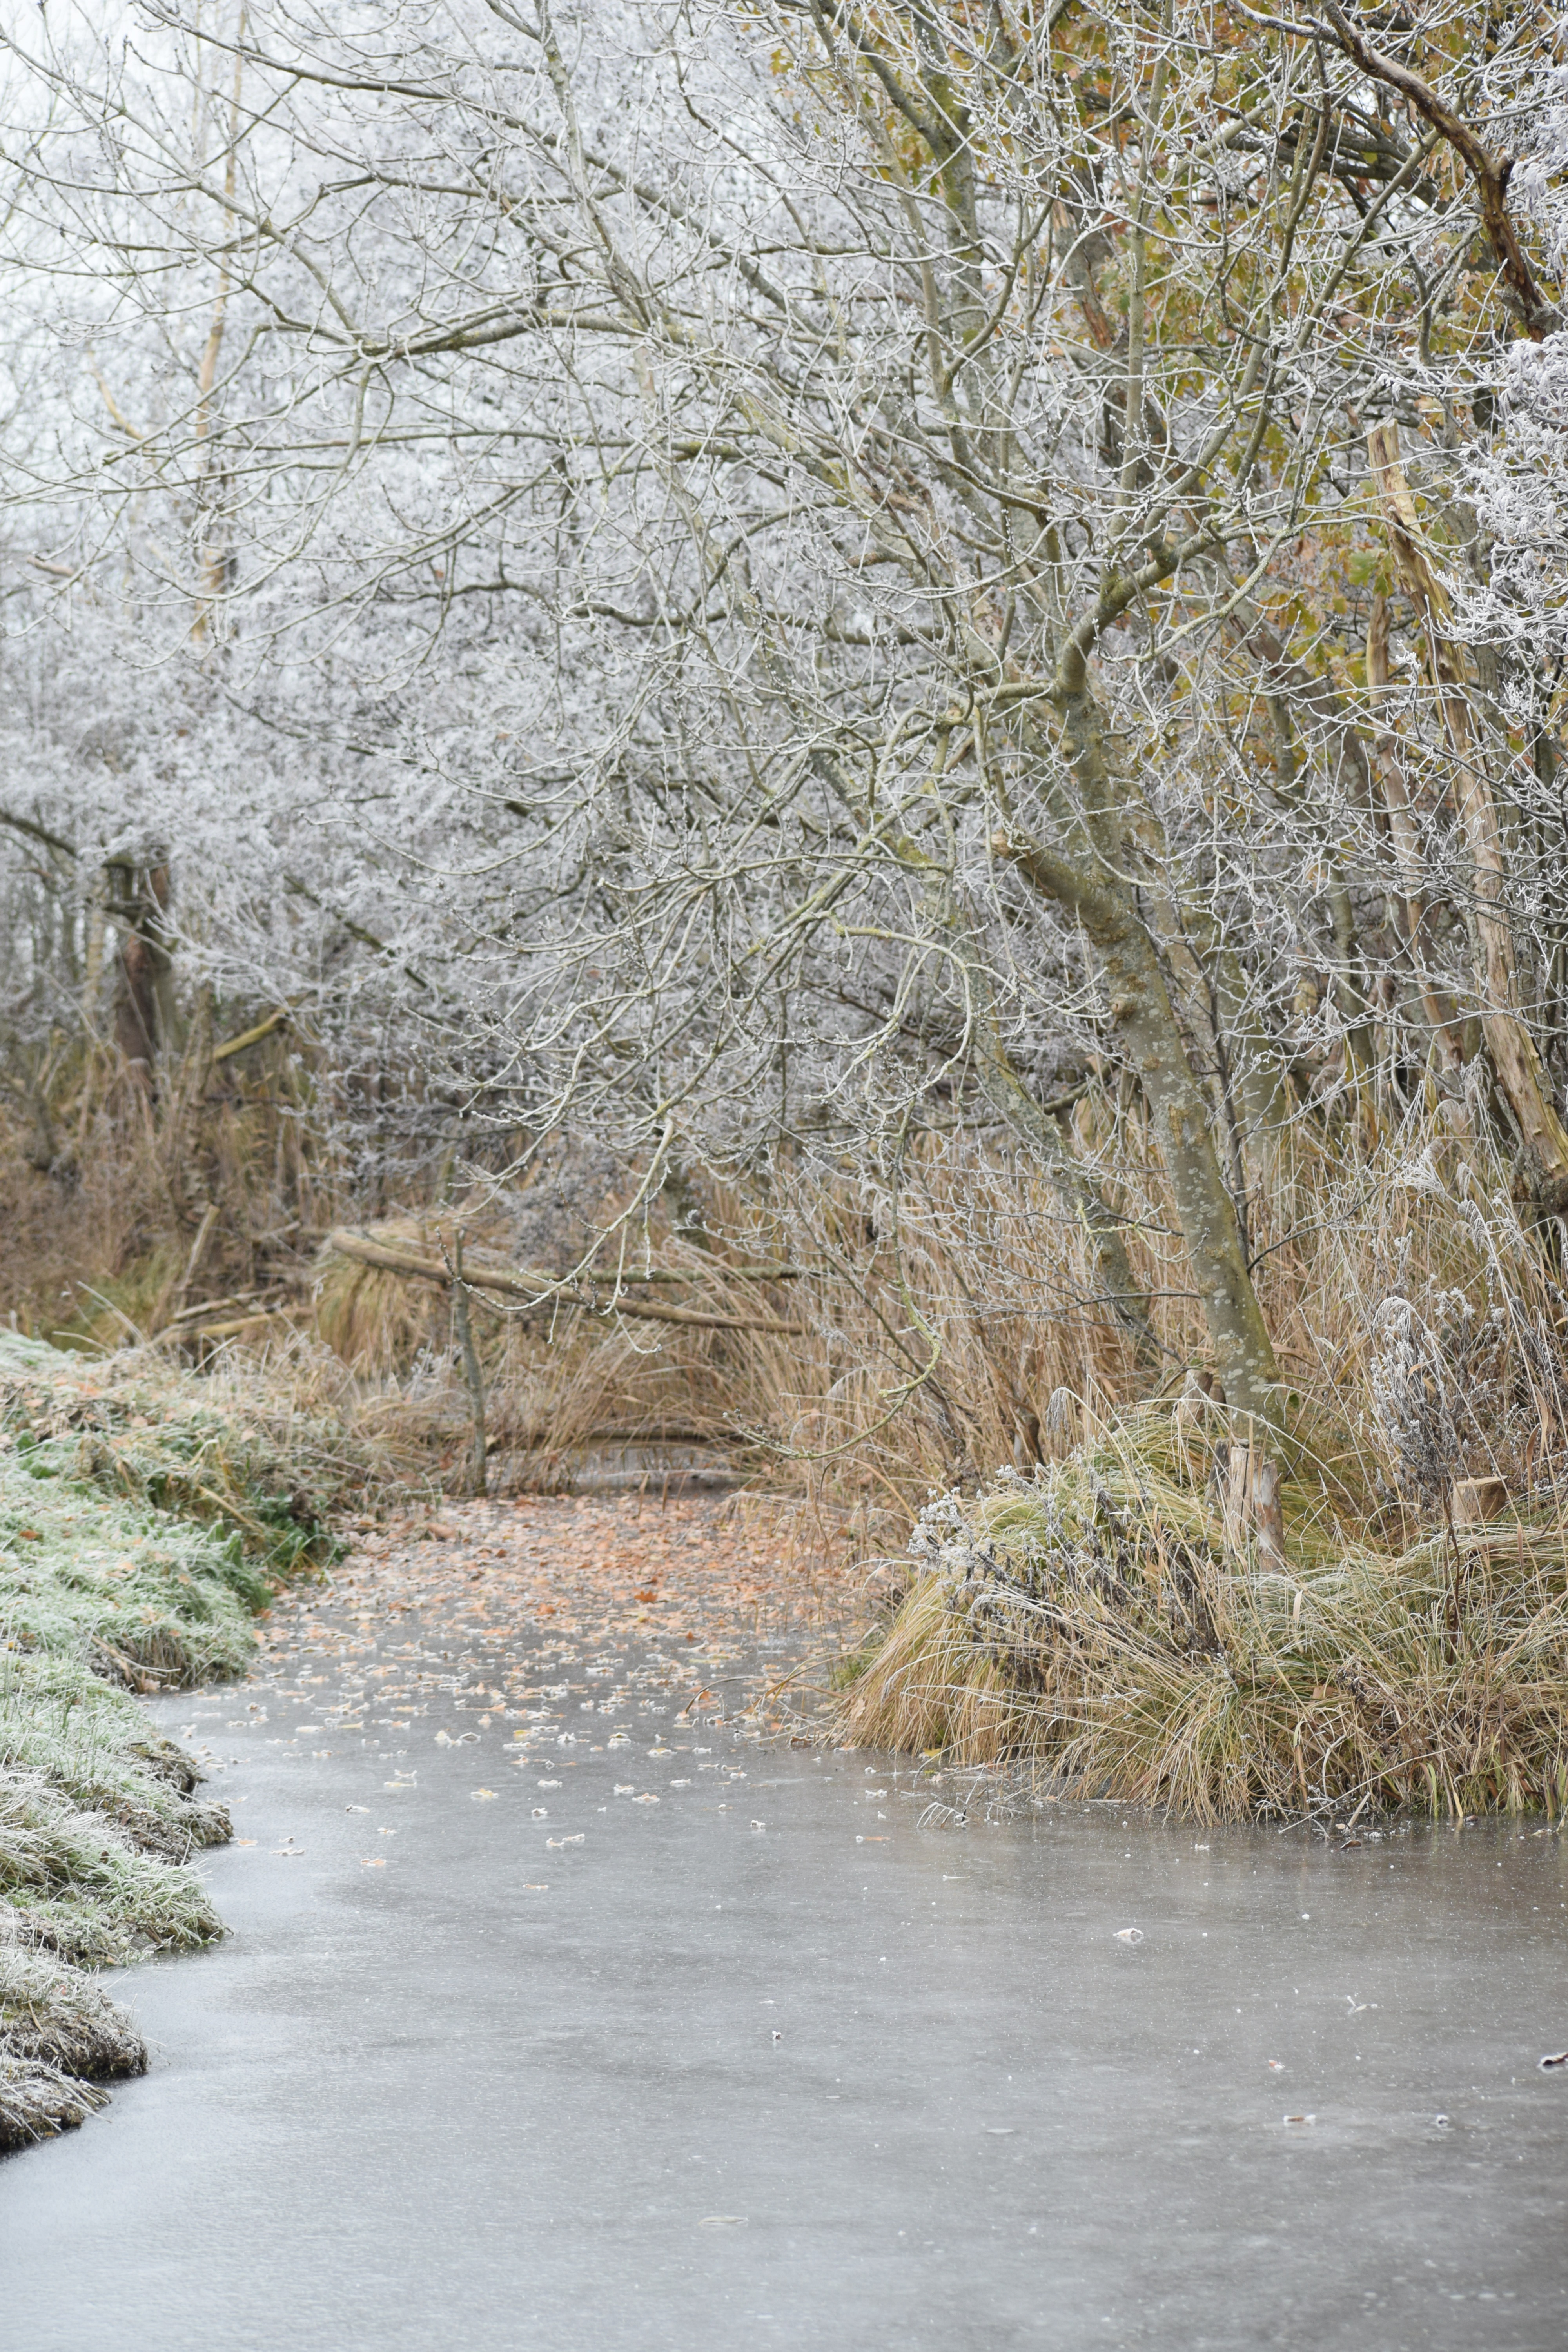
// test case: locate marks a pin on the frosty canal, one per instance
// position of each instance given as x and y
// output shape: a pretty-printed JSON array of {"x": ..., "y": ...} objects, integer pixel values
[{"x": 657, "y": 2037}]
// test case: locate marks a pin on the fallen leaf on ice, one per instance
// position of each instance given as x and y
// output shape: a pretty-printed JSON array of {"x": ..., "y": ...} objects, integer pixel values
[
  {"x": 1560, "y": 2059},
  {"x": 481, "y": 1796},
  {"x": 1130, "y": 1934},
  {"x": 565, "y": 1841},
  {"x": 373, "y": 1862},
  {"x": 648, "y": 1798}
]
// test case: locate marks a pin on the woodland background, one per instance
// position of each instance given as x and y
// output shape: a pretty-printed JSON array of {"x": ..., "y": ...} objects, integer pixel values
[{"x": 841, "y": 725}]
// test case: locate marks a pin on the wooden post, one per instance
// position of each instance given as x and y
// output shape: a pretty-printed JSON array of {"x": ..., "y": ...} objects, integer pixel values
[{"x": 1249, "y": 1500}]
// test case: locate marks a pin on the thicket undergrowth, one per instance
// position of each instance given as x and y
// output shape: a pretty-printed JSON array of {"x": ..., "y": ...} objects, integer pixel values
[{"x": 858, "y": 1346}]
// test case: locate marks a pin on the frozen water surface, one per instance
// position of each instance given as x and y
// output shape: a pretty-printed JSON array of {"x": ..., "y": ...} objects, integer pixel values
[{"x": 837, "y": 2080}]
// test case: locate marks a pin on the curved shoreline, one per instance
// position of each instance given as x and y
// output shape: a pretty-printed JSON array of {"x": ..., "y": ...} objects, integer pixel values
[{"x": 109, "y": 1590}]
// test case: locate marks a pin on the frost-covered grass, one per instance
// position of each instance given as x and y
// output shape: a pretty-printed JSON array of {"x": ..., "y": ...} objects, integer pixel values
[{"x": 110, "y": 1587}]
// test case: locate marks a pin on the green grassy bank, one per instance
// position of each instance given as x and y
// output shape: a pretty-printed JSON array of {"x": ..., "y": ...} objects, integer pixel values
[{"x": 141, "y": 1527}]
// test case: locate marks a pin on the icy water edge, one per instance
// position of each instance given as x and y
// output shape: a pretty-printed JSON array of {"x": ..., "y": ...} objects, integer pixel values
[{"x": 636, "y": 2036}]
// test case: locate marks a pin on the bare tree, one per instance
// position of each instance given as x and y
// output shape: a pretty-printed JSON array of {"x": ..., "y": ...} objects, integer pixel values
[{"x": 828, "y": 563}]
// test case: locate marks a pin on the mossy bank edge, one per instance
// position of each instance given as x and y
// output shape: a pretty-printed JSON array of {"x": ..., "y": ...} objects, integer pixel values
[{"x": 141, "y": 1530}]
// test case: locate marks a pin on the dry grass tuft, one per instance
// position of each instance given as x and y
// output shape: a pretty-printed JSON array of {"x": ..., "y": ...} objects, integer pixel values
[
  {"x": 1095, "y": 1627},
  {"x": 53, "y": 2015},
  {"x": 38, "y": 2101},
  {"x": 379, "y": 1323},
  {"x": 107, "y": 1181}
]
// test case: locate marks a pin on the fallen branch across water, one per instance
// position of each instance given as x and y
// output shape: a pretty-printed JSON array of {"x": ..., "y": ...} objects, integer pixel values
[{"x": 537, "y": 1288}]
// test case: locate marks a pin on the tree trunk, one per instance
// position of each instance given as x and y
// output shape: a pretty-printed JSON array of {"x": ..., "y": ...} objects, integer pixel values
[
  {"x": 135, "y": 1003},
  {"x": 1183, "y": 1130},
  {"x": 1012, "y": 1100},
  {"x": 1091, "y": 884},
  {"x": 463, "y": 1321},
  {"x": 1413, "y": 923},
  {"x": 159, "y": 935}
]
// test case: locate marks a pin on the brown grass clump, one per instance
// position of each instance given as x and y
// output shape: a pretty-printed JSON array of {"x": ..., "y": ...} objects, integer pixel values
[
  {"x": 376, "y": 1322},
  {"x": 1096, "y": 1628},
  {"x": 125, "y": 1192}
]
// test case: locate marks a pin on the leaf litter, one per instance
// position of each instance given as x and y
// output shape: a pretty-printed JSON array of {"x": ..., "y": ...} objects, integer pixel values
[{"x": 570, "y": 1620}]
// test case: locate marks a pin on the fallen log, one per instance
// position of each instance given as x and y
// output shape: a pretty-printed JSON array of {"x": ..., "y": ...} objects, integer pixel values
[
  {"x": 273, "y": 1315},
  {"x": 193, "y": 1328},
  {"x": 537, "y": 1288},
  {"x": 544, "y": 1441}
]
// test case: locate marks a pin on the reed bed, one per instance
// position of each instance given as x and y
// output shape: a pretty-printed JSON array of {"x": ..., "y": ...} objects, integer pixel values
[{"x": 1096, "y": 1628}]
